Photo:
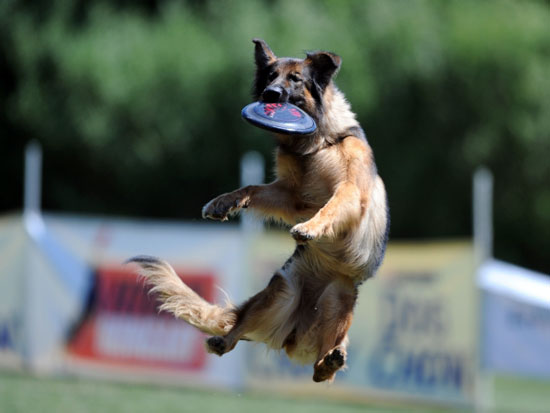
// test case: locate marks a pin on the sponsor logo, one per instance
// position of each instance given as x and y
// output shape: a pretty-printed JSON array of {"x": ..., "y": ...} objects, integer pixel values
[{"x": 124, "y": 326}]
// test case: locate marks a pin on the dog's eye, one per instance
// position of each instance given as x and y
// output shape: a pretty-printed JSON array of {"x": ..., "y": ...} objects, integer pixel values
[
  {"x": 272, "y": 76},
  {"x": 294, "y": 77}
]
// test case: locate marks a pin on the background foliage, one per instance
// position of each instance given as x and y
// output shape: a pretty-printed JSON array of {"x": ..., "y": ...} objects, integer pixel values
[{"x": 137, "y": 103}]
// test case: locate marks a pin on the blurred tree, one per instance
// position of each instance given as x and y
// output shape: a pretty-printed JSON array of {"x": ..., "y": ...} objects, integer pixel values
[{"x": 137, "y": 103}]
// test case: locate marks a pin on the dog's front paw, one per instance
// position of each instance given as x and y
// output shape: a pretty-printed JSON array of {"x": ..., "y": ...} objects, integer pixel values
[
  {"x": 303, "y": 233},
  {"x": 219, "y": 208}
]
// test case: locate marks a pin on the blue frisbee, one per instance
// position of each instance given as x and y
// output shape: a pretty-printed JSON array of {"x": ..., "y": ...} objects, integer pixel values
[{"x": 279, "y": 117}]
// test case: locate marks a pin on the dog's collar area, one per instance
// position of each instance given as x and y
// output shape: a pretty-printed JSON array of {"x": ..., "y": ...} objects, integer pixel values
[
  {"x": 356, "y": 131},
  {"x": 294, "y": 147},
  {"x": 312, "y": 149},
  {"x": 300, "y": 149}
]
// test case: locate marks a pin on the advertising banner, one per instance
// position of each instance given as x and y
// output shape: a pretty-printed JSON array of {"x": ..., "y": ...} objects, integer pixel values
[
  {"x": 122, "y": 333},
  {"x": 418, "y": 335},
  {"x": 413, "y": 334},
  {"x": 125, "y": 328}
]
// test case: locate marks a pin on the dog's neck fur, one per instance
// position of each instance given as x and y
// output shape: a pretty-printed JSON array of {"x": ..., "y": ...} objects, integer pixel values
[
  {"x": 337, "y": 115},
  {"x": 333, "y": 122}
]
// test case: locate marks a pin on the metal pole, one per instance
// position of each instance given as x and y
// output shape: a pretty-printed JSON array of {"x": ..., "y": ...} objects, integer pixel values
[
  {"x": 483, "y": 214},
  {"x": 33, "y": 177},
  {"x": 34, "y": 226},
  {"x": 482, "y": 207},
  {"x": 33, "y": 190}
]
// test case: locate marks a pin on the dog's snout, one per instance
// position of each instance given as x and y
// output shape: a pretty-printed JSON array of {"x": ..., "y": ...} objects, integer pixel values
[{"x": 273, "y": 94}]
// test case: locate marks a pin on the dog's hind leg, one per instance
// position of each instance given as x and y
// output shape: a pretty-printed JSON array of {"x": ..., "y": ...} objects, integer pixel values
[
  {"x": 336, "y": 312},
  {"x": 258, "y": 316}
]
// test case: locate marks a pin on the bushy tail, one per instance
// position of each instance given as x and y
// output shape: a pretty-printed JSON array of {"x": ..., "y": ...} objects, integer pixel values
[{"x": 180, "y": 300}]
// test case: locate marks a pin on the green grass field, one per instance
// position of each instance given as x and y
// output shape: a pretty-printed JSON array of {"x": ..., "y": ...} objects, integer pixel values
[
  {"x": 512, "y": 394},
  {"x": 23, "y": 393}
]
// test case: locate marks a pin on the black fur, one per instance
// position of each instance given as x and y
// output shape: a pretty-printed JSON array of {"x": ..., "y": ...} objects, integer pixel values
[{"x": 143, "y": 259}]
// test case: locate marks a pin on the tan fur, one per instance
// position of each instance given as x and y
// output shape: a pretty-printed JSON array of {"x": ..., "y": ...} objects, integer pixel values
[
  {"x": 182, "y": 301},
  {"x": 328, "y": 191}
]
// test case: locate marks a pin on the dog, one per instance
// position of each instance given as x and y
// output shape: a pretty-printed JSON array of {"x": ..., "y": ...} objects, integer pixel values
[{"x": 327, "y": 190}]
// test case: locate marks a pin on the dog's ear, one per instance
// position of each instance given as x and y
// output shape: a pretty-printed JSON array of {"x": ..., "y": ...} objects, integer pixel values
[
  {"x": 263, "y": 54},
  {"x": 324, "y": 65}
]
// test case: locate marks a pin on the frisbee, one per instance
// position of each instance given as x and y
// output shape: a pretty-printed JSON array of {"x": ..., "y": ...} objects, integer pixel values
[{"x": 279, "y": 117}]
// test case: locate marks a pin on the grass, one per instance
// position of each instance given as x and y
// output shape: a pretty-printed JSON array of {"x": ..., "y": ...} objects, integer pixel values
[
  {"x": 24, "y": 393},
  {"x": 522, "y": 395}
]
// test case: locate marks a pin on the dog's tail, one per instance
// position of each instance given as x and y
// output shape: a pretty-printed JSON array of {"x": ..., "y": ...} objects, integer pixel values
[{"x": 180, "y": 300}]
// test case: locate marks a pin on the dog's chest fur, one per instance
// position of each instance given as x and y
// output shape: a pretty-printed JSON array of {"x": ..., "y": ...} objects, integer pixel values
[{"x": 313, "y": 178}]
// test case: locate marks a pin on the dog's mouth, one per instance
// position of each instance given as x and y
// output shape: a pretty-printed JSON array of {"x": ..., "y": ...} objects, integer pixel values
[
  {"x": 298, "y": 102},
  {"x": 278, "y": 94},
  {"x": 302, "y": 104}
]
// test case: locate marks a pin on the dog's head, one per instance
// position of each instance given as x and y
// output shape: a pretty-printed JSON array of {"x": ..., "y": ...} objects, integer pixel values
[{"x": 302, "y": 82}]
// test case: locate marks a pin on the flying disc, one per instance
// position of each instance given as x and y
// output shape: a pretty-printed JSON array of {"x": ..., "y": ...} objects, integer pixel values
[{"x": 279, "y": 117}]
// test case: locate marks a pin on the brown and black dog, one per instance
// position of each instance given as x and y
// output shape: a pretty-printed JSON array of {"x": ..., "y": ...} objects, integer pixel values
[{"x": 328, "y": 191}]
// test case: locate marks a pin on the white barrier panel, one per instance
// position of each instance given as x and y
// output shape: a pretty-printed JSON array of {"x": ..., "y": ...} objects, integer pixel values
[
  {"x": 12, "y": 249},
  {"x": 516, "y": 320},
  {"x": 43, "y": 295}
]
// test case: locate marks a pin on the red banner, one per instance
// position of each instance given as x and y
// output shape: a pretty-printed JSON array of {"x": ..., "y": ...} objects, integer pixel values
[{"x": 124, "y": 326}]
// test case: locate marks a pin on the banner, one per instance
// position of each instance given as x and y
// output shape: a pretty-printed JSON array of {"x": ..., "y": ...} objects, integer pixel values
[
  {"x": 125, "y": 327},
  {"x": 123, "y": 334},
  {"x": 413, "y": 334}
]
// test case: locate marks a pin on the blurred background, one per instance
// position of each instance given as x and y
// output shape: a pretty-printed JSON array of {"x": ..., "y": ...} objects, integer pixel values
[{"x": 136, "y": 108}]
